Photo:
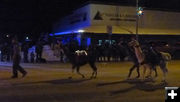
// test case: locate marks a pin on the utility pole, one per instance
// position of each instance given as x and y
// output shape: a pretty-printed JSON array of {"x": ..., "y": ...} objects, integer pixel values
[{"x": 137, "y": 20}]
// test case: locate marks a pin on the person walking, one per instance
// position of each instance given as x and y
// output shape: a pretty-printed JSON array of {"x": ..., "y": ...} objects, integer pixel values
[
  {"x": 39, "y": 50},
  {"x": 16, "y": 60},
  {"x": 25, "y": 52},
  {"x": 32, "y": 57}
]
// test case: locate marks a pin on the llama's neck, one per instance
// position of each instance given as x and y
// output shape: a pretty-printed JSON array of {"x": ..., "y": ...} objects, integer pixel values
[{"x": 139, "y": 54}]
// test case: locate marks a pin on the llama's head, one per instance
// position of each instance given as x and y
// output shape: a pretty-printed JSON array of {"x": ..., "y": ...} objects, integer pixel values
[{"x": 133, "y": 43}]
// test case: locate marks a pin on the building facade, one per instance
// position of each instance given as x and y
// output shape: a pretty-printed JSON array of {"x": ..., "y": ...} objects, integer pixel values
[{"x": 96, "y": 23}]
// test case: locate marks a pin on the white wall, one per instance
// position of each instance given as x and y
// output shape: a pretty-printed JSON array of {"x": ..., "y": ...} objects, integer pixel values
[
  {"x": 122, "y": 19},
  {"x": 113, "y": 15},
  {"x": 152, "y": 22}
]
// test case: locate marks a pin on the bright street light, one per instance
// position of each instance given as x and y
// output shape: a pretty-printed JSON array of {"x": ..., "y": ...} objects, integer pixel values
[
  {"x": 81, "y": 31},
  {"x": 27, "y": 38},
  {"x": 7, "y": 36},
  {"x": 139, "y": 12}
]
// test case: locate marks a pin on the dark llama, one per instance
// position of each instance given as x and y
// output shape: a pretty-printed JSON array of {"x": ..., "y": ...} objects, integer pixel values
[{"x": 81, "y": 57}]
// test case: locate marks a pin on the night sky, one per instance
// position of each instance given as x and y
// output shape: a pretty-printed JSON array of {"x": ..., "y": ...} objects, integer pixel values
[{"x": 35, "y": 16}]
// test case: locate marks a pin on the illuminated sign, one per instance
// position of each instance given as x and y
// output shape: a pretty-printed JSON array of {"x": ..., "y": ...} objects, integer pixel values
[{"x": 114, "y": 16}]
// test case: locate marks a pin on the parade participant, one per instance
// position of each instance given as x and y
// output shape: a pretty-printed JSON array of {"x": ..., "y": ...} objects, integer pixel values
[
  {"x": 16, "y": 60},
  {"x": 32, "y": 57}
]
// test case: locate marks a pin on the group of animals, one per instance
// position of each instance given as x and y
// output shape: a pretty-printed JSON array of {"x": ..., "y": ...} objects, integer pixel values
[{"x": 149, "y": 58}]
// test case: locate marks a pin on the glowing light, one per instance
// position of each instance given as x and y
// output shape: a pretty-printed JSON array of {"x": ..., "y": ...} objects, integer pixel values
[
  {"x": 27, "y": 38},
  {"x": 140, "y": 11},
  {"x": 63, "y": 33},
  {"x": 80, "y": 31},
  {"x": 51, "y": 34},
  {"x": 69, "y": 32},
  {"x": 7, "y": 36}
]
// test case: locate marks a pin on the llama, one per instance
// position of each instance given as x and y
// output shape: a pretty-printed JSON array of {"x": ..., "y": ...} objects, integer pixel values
[
  {"x": 80, "y": 58},
  {"x": 132, "y": 56},
  {"x": 139, "y": 55},
  {"x": 147, "y": 60}
]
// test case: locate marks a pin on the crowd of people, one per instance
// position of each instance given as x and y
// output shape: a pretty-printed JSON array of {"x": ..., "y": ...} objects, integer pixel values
[
  {"x": 111, "y": 52},
  {"x": 11, "y": 51},
  {"x": 6, "y": 52},
  {"x": 105, "y": 52}
]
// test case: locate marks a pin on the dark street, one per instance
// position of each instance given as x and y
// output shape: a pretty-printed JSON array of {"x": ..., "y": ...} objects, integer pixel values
[{"x": 50, "y": 83}]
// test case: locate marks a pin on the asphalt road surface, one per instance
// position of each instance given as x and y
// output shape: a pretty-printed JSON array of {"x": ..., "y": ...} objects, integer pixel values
[{"x": 50, "y": 83}]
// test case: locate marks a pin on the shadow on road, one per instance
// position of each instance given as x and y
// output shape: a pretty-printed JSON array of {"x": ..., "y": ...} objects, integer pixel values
[
  {"x": 59, "y": 81},
  {"x": 130, "y": 81},
  {"x": 66, "y": 81},
  {"x": 138, "y": 84},
  {"x": 5, "y": 78}
]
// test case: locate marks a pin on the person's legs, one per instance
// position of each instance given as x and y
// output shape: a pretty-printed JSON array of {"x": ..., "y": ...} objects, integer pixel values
[
  {"x": 25, "y": 57},
  {"x": 17, "y": 67},
  {"x": 14, "y": 71},
  {"x": 8, "y": 57},
  {"x": 22, "y": 70},
  {"x": 2, "y": 57},
  {"x": 36, "y": 57},
  {"x": 40, "y": 55}
]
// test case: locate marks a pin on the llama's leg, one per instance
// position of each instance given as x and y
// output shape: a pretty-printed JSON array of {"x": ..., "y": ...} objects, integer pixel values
[
  {"x": 73, "y": 67},
  {"x": 130, "y": 70},
  {"x": 79, "y": 72},
  {"x": 138, "y": 71},
  {"x": 155, "y": 70},
  {"x": 144, "y": 71},
  {"x": 150, "y": 72},
  {"x": 93, "y": 66},
  {"x": 164, "y": 70}
]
